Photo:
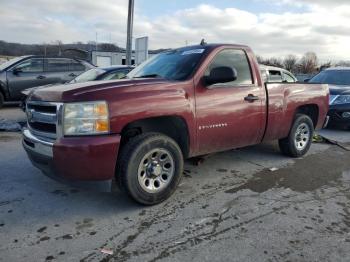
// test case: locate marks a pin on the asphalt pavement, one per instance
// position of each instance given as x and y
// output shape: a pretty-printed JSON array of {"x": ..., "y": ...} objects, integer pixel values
[{"x": 232, "y": 207}]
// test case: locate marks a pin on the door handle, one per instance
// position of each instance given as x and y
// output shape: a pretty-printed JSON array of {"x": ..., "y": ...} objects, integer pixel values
[
  {"x": 41, "y": 77},
  {"x": 72, "y": 75},
  {"x": 251, "y": 98}
]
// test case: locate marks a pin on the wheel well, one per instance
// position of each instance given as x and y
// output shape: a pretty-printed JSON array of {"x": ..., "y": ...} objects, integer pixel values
[
  {"x": 172, "y": 126},
  {"x": 310, "y": 110}
]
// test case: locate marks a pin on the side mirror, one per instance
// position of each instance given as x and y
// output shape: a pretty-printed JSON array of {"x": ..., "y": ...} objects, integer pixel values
[
  {"x": 307, "y": 80},
  {"x": 16, "y": 71},
  {"x": 223, "y": 74}
]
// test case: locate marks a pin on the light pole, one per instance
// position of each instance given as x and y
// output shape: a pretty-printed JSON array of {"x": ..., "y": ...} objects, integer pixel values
[{"x": 129, "y": 33}]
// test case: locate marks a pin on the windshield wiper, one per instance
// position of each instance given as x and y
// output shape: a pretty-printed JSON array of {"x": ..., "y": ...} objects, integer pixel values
[{"x": 149, "y": 76}]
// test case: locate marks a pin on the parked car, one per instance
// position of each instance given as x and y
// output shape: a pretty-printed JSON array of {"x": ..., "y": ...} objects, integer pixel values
[
  {"x": 338, "y": 79},
  {"x": 272, "y": 74},
  {"x": 28, "y": 71},
  {"x": 94, "y": 74},
  {"x": 179, "y": 104},
  {"x": 103, "y": 73}
]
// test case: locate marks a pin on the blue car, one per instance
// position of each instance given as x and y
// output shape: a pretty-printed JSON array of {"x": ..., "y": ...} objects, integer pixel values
[{"x": 338, "y": 79}]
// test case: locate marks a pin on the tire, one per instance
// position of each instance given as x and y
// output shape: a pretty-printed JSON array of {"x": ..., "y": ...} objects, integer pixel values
[
  {"x": 2, "y": 100},
  {"x": 150, "y": 167},
  {"x": 299, "y": 140}
]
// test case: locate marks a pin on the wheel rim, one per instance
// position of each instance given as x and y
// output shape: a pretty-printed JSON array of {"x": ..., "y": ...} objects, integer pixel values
[
  {"x": 156, "y": 170},
  {"x": 302, "y": 136}
]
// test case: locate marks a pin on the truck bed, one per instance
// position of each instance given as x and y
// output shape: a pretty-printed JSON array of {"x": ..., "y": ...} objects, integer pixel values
[{"x": 284, "y": 99}]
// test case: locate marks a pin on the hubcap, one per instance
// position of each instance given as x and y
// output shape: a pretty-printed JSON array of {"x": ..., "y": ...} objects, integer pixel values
[
  {"x": 156, "y": 170},
  {"x": 302, "y": 136}
]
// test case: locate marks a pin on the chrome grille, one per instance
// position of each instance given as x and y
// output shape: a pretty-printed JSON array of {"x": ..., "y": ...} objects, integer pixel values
[{"x": 44, "y": 119}]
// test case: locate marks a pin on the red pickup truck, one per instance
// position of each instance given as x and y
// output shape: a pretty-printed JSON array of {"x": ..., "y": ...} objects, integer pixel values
[{"x": 136, "y": 132}]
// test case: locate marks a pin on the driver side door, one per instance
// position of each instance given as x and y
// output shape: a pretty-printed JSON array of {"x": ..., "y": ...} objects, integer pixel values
[
  {"x": 226, "y": 119},
  {"x": 27, "y": 74}
]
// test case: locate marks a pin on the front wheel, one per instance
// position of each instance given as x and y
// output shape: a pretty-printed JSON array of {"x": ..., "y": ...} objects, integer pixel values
[
  {"x": 300, "y": 137},
  {"x": 150, "y": 167}
]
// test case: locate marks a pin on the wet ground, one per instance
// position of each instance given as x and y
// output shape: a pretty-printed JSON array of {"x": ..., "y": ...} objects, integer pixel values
[{"x": 230, "y": 208}]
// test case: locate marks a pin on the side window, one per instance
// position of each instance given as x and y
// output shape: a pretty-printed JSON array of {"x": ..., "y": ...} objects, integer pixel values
[
  {"x": 236, "y": 59},
  {"x": 275, "y": 76},
  {"x": 33, "y": 65},
  {"x": 76, "y": 66},
  {"x": 288, "y": 78},
  {"x": 57, "y": 65}
]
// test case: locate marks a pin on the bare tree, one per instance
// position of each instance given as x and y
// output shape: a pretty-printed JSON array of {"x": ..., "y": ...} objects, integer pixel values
[
  {"x": 325, "y": 65},
  {"x": 308, "y": 63},
  {"x": 274, "y": 61},
  {"x": 343, "y": 63},
  {"x": 260, "y": 59},
  {"x": 289, "y": 63}
]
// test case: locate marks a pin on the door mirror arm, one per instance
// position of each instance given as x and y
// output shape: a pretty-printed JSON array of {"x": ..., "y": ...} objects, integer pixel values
[{"x": 16, "y": 71}]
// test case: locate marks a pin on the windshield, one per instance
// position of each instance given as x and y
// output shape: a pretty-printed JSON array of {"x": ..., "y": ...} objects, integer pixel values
[
  {"x": 332, "y": 77},
  {"x": 89, "y": 75},
  {"x": 172, "y": 65},
  {"x": 10, "y": 62}
]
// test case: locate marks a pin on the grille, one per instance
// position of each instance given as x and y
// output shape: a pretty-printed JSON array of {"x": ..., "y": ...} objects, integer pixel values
[{"x": 43, "y": 118}]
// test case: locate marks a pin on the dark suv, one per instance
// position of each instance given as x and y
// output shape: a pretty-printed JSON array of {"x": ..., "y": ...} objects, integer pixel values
[{"x": 29, "y": 71}]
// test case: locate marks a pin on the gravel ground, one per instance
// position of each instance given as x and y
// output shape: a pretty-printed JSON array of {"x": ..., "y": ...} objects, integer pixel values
[{"x": 230, "y": 208}]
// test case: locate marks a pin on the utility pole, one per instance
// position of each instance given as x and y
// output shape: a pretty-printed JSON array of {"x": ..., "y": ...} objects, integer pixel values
[{"x": 129, "y": 33}]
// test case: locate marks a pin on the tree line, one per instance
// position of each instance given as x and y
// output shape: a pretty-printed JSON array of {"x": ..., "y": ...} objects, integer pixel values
[
  {"x": 56, "y": 48},
  {"x": 307, "y": 64}
]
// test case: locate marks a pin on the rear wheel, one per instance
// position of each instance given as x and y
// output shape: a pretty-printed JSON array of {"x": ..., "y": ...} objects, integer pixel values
[
  {"x": 150, "y": 167},
  {"x": 300, "y": 136}
]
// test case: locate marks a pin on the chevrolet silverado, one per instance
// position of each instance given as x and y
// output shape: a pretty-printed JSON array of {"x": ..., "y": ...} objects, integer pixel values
[{"x": 187, "y": 102}]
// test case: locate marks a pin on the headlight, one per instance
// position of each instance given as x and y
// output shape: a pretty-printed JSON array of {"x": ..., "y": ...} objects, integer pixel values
[
  {"x": 89, "y": 118},
  {"x": 341, "y": 99}
]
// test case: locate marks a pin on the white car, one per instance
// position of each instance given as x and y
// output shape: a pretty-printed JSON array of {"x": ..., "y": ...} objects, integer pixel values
[{"x": 272, "y": 74}]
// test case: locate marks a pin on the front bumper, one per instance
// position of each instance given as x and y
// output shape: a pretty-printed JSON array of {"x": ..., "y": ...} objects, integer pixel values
[
  {"x": 336, "y": 115},
  {"x": 78, "y": 161}
]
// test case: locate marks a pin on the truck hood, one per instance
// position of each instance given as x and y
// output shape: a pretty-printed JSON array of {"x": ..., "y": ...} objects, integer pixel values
[
  {"x": 74, "y": 92},
  {"x": 339, "y": 90}
]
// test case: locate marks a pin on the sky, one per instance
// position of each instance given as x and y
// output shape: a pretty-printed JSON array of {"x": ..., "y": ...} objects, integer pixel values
[{"x": 271, "y": 27}]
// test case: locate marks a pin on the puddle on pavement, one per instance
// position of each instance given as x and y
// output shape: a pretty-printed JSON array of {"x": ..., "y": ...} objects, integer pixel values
[{"x": 307, "y": 174}]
